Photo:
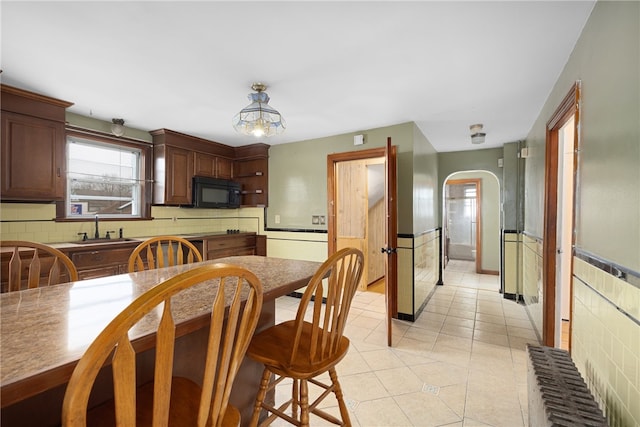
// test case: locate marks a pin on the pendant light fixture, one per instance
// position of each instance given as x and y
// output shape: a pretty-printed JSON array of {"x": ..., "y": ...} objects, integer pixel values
[
  {"x": 477, "y": 136},
  {"x": 259, "y": 118}
]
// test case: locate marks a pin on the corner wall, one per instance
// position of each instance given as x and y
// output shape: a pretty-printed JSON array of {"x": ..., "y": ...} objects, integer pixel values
[{"x": 605, "y": 317}]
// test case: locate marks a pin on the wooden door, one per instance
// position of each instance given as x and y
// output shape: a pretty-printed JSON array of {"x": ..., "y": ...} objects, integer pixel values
[
  {"x": 391, "y": 215},
  {"x": 351, "y": 209},
  {"x": 568, "y": 109},
  {"x": 391, "y": 237}
]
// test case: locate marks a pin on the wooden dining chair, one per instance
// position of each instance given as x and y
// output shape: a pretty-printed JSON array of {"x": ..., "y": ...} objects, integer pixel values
[
  {"x": 163, "y": 251},
  {"x": 39, "y": 265},
  {"x": 170, "y": 400},
  {"x": 304, "y": 349}
]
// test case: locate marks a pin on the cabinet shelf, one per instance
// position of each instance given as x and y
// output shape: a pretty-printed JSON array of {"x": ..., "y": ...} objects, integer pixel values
[{"x": 249, "y": 175}]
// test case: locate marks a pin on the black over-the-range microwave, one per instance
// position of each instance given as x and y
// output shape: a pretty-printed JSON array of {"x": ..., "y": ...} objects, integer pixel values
[{"x": 215, "y": 193}]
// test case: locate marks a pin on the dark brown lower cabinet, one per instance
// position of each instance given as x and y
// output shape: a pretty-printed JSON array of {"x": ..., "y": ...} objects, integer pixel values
[{"x": 113, "y": 258}]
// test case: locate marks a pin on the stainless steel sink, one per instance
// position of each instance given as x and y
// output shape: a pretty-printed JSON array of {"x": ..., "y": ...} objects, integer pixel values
[{"x": 96, "y": 241}]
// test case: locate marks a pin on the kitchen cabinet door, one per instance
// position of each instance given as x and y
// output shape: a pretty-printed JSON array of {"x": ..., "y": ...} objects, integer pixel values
[
  {"x": 205, "y": 165},
  {"x": 212, "y": 166},
  {"x": 179, "y": 172},
  {"x": 33, "y": 158},
  {"x": 224, "y": 168}
]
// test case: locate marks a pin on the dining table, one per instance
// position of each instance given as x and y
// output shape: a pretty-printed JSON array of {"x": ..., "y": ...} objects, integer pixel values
[{"x": 45, "y": 331}]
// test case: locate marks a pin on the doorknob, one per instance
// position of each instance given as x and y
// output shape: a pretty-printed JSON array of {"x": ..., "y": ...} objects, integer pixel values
[{"x": 389, "y": 251}]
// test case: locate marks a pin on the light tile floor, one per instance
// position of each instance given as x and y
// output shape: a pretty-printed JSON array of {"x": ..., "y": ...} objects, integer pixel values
[{"x": 461, "y": 363}]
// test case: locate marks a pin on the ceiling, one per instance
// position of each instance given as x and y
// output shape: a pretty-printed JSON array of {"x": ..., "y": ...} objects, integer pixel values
[{"x": 330, "y": 67}]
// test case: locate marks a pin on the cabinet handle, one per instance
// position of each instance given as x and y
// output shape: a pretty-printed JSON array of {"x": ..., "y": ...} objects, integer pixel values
[{"x": 58, "y": 172}]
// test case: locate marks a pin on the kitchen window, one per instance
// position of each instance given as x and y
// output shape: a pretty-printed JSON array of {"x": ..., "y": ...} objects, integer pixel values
[{"x": 106, "y": 177}]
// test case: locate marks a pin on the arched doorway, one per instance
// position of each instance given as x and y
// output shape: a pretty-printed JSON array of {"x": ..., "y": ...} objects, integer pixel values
[{"x": 471, "y": 220}]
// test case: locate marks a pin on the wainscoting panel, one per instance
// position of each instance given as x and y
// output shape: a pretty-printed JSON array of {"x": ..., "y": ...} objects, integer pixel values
[
  {"x": 532, "y": 280},
  {"x": 606, "y": 340},
  {"x": 418, "y": 271}
]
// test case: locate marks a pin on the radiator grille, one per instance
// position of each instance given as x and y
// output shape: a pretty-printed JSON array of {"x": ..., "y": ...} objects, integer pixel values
[{"x": 558, "y": 395}]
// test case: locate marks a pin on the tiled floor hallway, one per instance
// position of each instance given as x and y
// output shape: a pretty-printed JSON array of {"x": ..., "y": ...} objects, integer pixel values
[{"x": 462, "y": 363}]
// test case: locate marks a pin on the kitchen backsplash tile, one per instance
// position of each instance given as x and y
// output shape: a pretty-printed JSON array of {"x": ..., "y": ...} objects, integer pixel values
[{"x": 33, "y": 221}]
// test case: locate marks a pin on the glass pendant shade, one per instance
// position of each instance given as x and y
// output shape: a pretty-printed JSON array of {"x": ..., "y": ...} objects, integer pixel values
[
  {"x": 259, "y": 118},
  {"x": 477, "y": 136}
]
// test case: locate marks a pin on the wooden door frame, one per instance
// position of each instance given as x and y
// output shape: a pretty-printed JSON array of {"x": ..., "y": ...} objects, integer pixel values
[
  {"x": 478, "y": 183},
  {"x": 569, "y": 107},
  {"x": 332, "y": 159}
]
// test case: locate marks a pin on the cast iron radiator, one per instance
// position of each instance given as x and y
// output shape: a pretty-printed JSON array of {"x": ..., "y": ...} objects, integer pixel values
[{"x": 558, "y": 395}]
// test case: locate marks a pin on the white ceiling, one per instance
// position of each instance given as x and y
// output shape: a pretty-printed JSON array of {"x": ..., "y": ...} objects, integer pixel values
[{"x": 331, "y": 67}]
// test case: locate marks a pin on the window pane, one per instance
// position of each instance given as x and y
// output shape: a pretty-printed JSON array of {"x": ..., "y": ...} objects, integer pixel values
[{"x": 102, "y": 179}]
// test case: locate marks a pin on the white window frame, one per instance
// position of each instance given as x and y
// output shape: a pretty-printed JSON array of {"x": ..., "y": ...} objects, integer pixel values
[{"x": 138, "y": 208}]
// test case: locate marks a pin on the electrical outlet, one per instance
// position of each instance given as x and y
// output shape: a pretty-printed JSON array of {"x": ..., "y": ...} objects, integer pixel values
[
  {"x": 277, "y": 219},
  {"x": 322, "y": 219},
  {"x": 315, "y": 219}
]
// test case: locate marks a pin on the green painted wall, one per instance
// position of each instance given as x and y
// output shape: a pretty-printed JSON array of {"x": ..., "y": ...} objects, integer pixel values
[
  {"x": 298, "y": 176},
  {"x": 103, "y": 126},
  {"x": 606, "y": 59},
  {"x": 513, "y": 187},
  {"x": 461, "y": 161},
  {"x": 425, "y": 184}
]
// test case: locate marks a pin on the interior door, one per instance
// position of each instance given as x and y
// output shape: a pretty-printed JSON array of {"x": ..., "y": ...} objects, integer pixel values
[
  {"x": 568, "y": 109},
  {"x": 391, "y": 238},
  {"x": 351, "y": 209},
  {"x": 387, "y": 152}
]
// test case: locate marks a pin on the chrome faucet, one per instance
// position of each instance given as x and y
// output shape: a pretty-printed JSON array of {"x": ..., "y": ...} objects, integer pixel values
[{"x": 97, "y": 233}]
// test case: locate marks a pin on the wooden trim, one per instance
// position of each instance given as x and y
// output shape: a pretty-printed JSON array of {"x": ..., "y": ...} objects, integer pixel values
[
  {"x": 192, "y": 143},
  {"x": 331, "y": 205},
  {"x": 332, "y": 159},
  {"x": 252, "y": 151},
  {"x": 391, "y": 193},
  {"x": 569, "y": 107},
  {"x": 32, "y": 96},
  {"x": 356, "y": 155},
  {"x": 146, "y": 164}
]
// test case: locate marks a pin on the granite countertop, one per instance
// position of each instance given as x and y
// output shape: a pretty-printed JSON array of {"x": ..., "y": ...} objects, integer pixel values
[{"x": 44, "y": 331}]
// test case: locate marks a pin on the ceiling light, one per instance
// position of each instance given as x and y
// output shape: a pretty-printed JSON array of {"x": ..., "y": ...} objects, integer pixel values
[
  {"x": 477, "y": 136},
  {"x": 259, "y": 118},
  {"x": 117, "y": 128}
]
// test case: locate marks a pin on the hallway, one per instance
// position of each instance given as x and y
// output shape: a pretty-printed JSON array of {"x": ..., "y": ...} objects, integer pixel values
[{"x": 462, "y": 363}]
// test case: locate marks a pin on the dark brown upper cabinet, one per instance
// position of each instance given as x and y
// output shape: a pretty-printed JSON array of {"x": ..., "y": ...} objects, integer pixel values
[{"x": 33, "y": 146}]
